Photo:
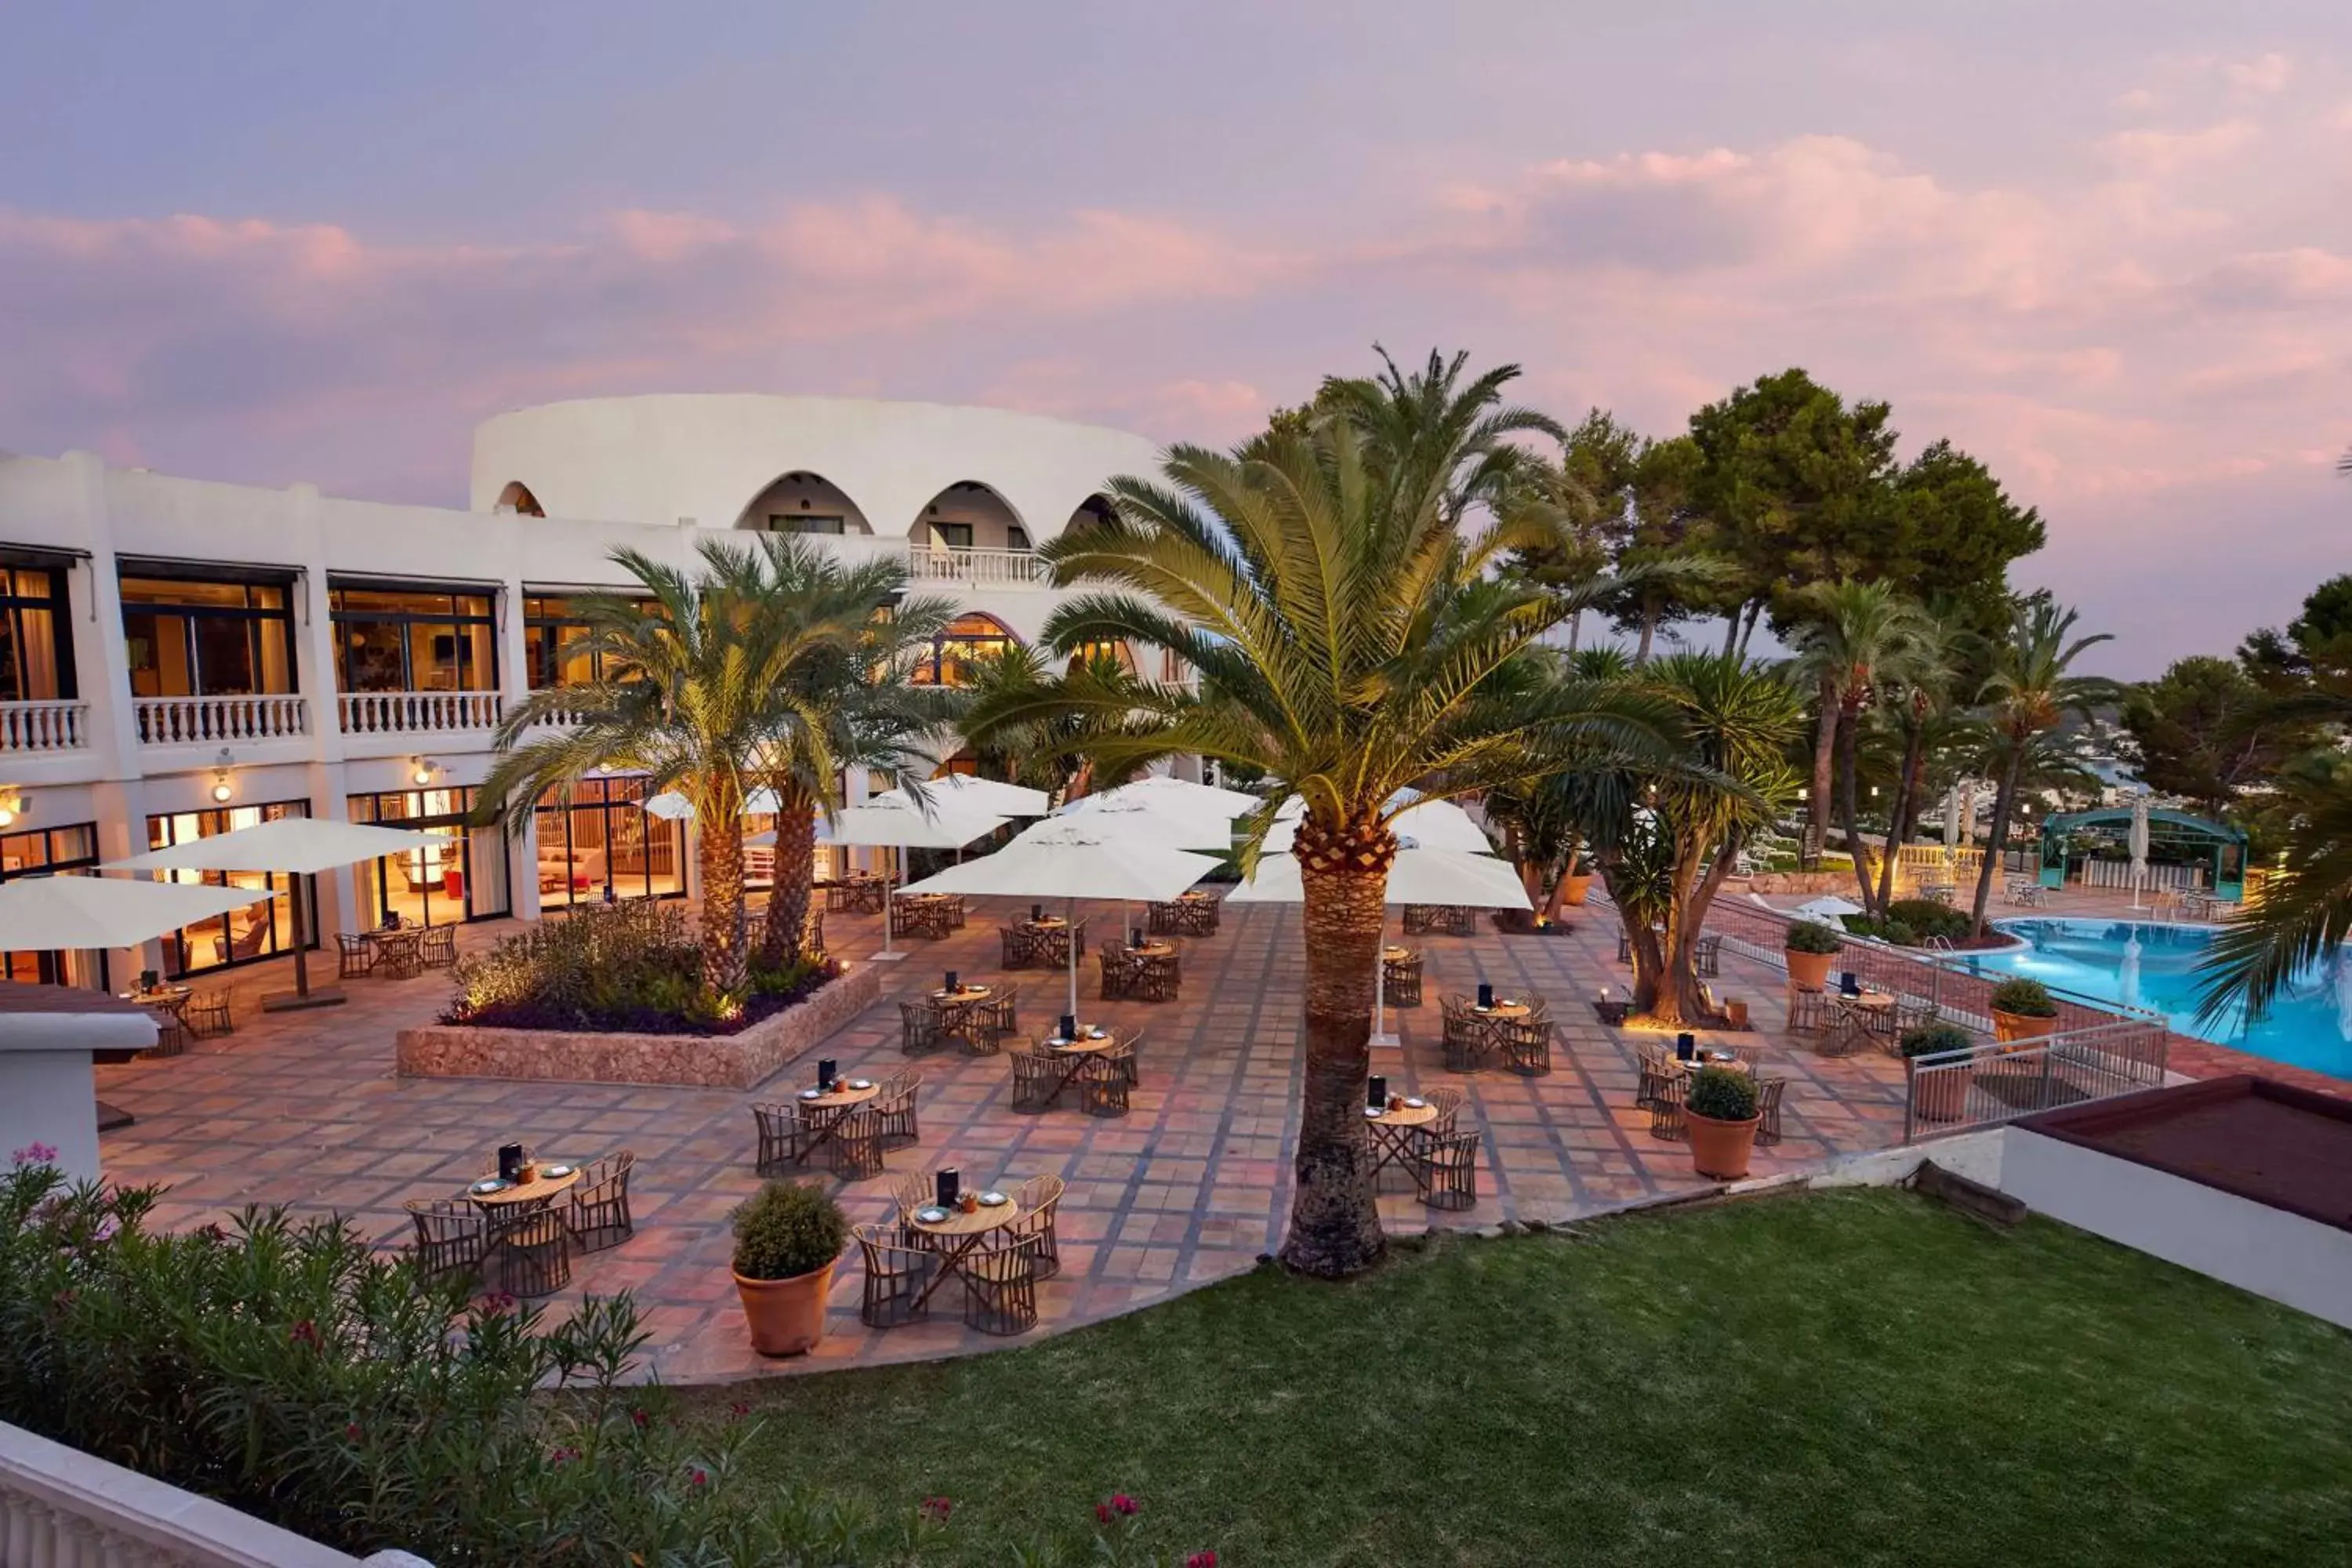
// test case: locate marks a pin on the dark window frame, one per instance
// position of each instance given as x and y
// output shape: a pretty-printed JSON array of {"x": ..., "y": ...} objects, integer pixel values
[
  {"x": 175, "y": 942},
  {"x": 59, "y": 604},
  {"x": 250, "y": 614},
  {"x": 408, "y": 620},
  {"x": 51, "y": 966}
]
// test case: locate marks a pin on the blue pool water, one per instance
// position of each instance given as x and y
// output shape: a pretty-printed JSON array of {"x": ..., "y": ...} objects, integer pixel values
[{"x": 2156, "y": 967}]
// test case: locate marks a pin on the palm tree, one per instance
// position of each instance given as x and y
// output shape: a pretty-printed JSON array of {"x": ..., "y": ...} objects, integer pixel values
[
  {"x": 2306, "y": 909},
  {"x": 1049, "y": 750},
  {"x": 844, "y": 697},
  {"x": 2031, "y": 692},
  {"x": 1544, "y": 816},
  {"x": 1432, "y": 434},
  {"x": 1351, "y": 642},
  {"x": 1854, "y": 634},
  {"x": 1922, "y": 707}
]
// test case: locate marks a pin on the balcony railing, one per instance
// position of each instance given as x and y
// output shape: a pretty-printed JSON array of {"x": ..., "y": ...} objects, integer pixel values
[
  {"x": 36, "y": 727},
  {"x": 418, "y": 712},
  {"x": 981, "y": 568},
  {"x": 218, "y": 720}
]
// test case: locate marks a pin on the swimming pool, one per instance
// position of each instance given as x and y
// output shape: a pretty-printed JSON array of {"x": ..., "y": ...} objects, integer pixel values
[{"x": 2156, "y": 967}]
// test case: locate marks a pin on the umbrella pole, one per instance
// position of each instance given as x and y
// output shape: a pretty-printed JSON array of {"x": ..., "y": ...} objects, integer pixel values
[
  {"x": 889, "y": 953},
  {"x": 1070, "y": 929},
  {"x": 301, "y": 996},
  {"x": 1381, "y": 1036}
]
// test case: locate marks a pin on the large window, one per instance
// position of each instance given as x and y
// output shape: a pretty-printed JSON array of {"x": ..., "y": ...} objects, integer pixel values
[
  {"x": 967, "y": 637},
  {"x": 207, "y": 639},
  {"x": 414, "y": 640},
  {"x": 552, "y": 633},
  {"x": 458, "y": 874},
  {"x": 263, "y": 929},
  {"x": 602, "y": 845},
  {"x": 52, "y": 852},
  {"x": 35, "y": 654}
]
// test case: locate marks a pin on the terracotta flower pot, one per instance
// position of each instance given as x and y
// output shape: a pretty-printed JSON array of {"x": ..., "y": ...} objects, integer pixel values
[
  {"x": 786, "y": 1317},
  {"x": 1580, "y": 883},
  {"x": 1944, "y": 1095},
  {"x": 2021, "y": 1026},
  {"x": 1720, "y": 1149},
  {"x": 1809, "y": 971}
]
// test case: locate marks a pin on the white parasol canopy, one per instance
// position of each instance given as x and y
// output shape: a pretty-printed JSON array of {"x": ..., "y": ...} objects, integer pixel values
[
  {"x": 1072, "y": 858},
  {"x": 973, "y": 795},
  {"x": 1171, "y": 793},
  {"x": 1431, "y": 825},
  {"x": 1828, "y": 908},
  {"x": 892, "y": 821},
  {"x": 47, "y": 914},
  {"x": 1951, "y": 820},
  {"x": 672, "y": 806}
]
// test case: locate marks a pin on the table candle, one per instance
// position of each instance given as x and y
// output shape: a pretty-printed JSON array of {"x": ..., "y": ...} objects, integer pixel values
[{"x": 1376, "y": 1091}]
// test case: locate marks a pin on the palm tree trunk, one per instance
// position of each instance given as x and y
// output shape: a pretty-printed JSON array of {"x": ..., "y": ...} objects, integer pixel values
[
  {"x": 719, "y": 859},
  {"x": 1731, "y": 632},
  {"x": 1335, "y": 1223},
  {"x": 1575, "y": 628},
  {"x": 1907, "y": 795},
  {"x": 1998, "y": 839},
  {"x": 1649, "y": 630},
  {"x": 1557, "y": 897},
  {"x": 1849, "y": 813},
  {"x": 785, "y": 931},
  {"x": 1817, "y": 801},
  {"x": 1690, "y": 1003}
]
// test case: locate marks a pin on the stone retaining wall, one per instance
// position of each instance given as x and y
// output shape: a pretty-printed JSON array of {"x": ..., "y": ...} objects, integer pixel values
[{"x": 743, "y": 1061}]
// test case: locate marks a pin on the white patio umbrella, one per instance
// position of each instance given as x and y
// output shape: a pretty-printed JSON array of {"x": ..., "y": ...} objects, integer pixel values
[
  {"x": 897, "y": 823},
  {"x": 1432, "y": 824},
  {"x": 57, "y": 915},
  {"x": 1828, "y": 907},
  {"x": 1418, "y": 876},
  {"x": 974, "y": 796},
  {"x": 2139, "y": 845},
  {"x": 299, "y": 847},
  {"x": 1072, "y": 858},
  {"x": 1951, "y": 823},
  {"x": 672, "y": 806},
  {"x": 1167, "y": 790}
]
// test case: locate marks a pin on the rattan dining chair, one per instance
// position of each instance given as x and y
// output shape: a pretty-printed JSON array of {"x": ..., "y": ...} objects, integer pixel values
[
  {"x": 1036, "y": 1077},
  {"x": 1466, "y": 1037},
  {"x": 895, "y": 1276},
  {"x": 600, "y": 1203},
  {"x": 1808, "y": 1011},
  {"x": 784, "y": 1136},
  {"x": 1040, "y": 1198},
  {"x": 1525, "y": 1044},
  {"x": 451, "y": 1238},
  {"x": 895, "y": 1106},
  {"x": 1449, "y": 1170},
  {"x": 1000, "y": 1287},
  {"x": 1400, "y": 979},
  {"x": 1447, "y": 1102},
  {"x": 1657, "y": 1065},
  {"x": 1666, "y": 1108},
  {"x": 1118, "y": 971},
  {"x": 919, "y": 1028},
  {"x": 1159, "y": 976},
  {"x": 1001, "y": 1015},
  {"x": 1708, "y": 957},
  {"x": 910, "y": 1192},
  {"x": 534, "y": 1253},
  {"x": 1107, "y": 1078},
  {"x": 355, "y": 956},
  {"x": 1019, "y": 943},
  {"x": 856, "y": 1144},
  {"x": 438, "y": 948},
  {"x": 1768, "y": 1109},
  {"x": 208, "y": 1015}
]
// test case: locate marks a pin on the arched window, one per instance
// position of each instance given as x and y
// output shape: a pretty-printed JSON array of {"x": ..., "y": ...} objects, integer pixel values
[
  {"x": 803, "y": 502},
  {"x": 1115, "y": 649},
  {"x": 517, "y": 499},
  {"x": 969, "y": 515},
  {"x": 1095, "y": 512},
  {"x": 968, "y": 637}
]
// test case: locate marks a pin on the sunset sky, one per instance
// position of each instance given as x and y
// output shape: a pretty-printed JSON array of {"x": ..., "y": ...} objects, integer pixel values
[{"x": 2104, "y": 245}]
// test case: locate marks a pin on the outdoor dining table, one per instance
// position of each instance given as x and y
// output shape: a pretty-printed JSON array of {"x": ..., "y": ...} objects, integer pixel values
[
  {"x": 1078, "y": 1053},
  {"x": 859, "y": 892},
  {"x": 1875, "y": 1008},
  {"x": 954, "y": 1009},
  {"x": 825, "y": 1110},
  {"x": 399, "y": 952},
  {"x": 1394, "y": 1127},
  {"x": 541, "y": 1190},
  {"x": 959, "y": 1235}
]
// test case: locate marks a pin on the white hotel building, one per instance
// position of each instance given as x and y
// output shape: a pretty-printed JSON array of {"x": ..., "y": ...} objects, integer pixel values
[{"x": 180, "y": 657}]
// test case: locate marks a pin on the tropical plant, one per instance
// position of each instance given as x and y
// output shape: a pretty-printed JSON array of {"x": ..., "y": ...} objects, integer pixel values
[
  {"x": 1922, "y": 687},
  {"x": 1069, "y": 707},
  {"x": 1810, "y": 936},
  {"x": 1351, "y": 642},
  {"x": 1934, "y": 1039},
  {"x": 2304, "y": 911},
  {"x": 1854, "y": 637},
  {"x": 2031, "y": 691},
  {"x": 1720, "y": 1094},
  {"x": 787, "y": 1229},
  {"x": 2025, "y": 997}
]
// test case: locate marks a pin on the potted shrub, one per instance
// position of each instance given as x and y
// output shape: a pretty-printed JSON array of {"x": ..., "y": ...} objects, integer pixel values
[
  {"x": 787, "y": 1237},
  {"x": 2022, "y": 1009},
  {"x": 1809, "y": 948},
  {"x": 1580, "y": 881},
  {"x": 1719, "y": 1109},
  {"x": 1946, "y": 1092}
]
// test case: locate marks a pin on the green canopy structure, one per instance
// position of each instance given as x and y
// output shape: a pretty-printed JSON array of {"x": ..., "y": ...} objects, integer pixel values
[{"x": 2174, "y": 837}]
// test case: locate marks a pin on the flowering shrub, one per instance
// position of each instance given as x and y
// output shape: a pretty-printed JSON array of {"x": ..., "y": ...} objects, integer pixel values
[
  {"x": 289, "y": 1371},
  {"x": 629, "y": 966}
]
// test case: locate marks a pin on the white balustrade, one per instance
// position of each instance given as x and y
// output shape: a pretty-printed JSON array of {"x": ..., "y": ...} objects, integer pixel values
[
  {"x": 980, "y": 568},
  {"x": 43, "y": 726},
  {"x": 217, "y": 720},
  {"x": 419, "y": 712}
]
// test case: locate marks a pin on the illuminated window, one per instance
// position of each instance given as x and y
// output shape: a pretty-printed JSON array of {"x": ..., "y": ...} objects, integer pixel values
[{"x": 967, "y": 637}]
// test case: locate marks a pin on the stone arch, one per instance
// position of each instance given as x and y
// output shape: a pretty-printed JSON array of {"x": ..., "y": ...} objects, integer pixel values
[
  {"x": 801, "y": 502},
  {"x": 971, "y": 515},
  {"x": 970, "y": 636},
  {"x": 517, "y": 499},
  {"x": 1095, "y": 512}
]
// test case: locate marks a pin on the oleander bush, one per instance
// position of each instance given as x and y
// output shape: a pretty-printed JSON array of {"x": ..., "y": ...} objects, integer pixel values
[
  {"x": 1720, "y": 1094},
  {"x": 287, "y": 1370},
  {"x": 1810, "y": 936},
  {"x": 2026, "y": 998},
  {"x": 1928, "y": 1039},
  {"x": 631, "y": 967},
  {"x": 787, "y": 1229},
  {"x": 1930, "y": 919}
]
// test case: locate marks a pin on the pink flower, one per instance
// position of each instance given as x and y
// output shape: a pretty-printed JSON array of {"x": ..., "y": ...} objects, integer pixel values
[
  {"x": 699, "y": 1478},
  {"x": 352, "y": 1431},
  {"x": 637, "y": 1418},
  {"x": 305, "y": 1332},
  {"x": 1123, "y": 1503},
  {"x": 1202, "y": 1559},
  {"x": 35, "y": 1153},
  {"x": 739, "y": 1410},
  {"x": 937, "y": 1508},
  {"x": 1102, "y": 1513}
]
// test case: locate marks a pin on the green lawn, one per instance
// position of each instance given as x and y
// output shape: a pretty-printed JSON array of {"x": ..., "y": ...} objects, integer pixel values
[{"x": 1844, "y": 1378}]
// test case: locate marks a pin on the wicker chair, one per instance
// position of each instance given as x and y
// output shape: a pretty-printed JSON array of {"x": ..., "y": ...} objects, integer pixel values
[
  {"x": 895, "y": 1106},
  {"x": 1768, "y": 1109},
  {"x": 535, "y": 1253},
  {"x": 1848, "y": 1031},
  {"x": 355, "y": 956},
  {"x": 438, "y": 948},
  {"x": 208, "y": 1015},
  {"x": 1036, "y": 1078},
  {"x": 1019, "y": 943},
  {"x": 1000, "y": 1287},
  {"x": 1400, "y": 977},
  {"x": 451, "y": 1238},
  {"x": 1449, "y": 1170},
  {"x": 919, "y": 1029},
  {"x": 1666, "y": 1108},
  {"x": 1657, "y": 1065},
  {"x": 1118, "y": 971},
  {"x": 1909, "y": 1016},
  {"x": 1808, "y": 1011},
  {"x": 1466, "y": 1039},
  {"x": 600, "y": 1204},
  {"x": 1448, "y": 1103},
  {"x": 1002, "y": 1017},
  {"x": 910, "y": 1192},
  {"x": 1158, "y": 977},
  {"x": 1040, "y": 1197},
  {"x": 895, "y": 1277},
  {"x": 857, "y": 1145},
  {"x": 1107, "y": 1078},
  {"x": 1707, "y": 958},
  {"x": 1525, "y": 1044},
  {"x": 171, "y": 1030},
  {"x": 784, "y": 1136}
]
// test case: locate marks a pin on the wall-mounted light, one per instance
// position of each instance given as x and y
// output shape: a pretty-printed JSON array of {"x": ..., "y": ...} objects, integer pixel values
[
  {"x": 223, "y": 791},
  {"x": 13, "y": 805},
  {"x": 421, "y": 773}
]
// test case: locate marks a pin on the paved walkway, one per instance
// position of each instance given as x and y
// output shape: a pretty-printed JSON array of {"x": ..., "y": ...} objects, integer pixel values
[{"x": 302, "y": 1109}]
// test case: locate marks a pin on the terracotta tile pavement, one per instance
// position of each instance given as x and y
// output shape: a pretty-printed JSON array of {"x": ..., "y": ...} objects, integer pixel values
[{"x": 302, "y": 1109}]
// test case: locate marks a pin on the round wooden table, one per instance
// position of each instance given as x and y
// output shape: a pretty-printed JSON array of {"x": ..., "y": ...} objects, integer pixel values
[
  {"x": 1396, "y": 954},
  {"x": 1046, "y": 922},
  {"x": 840, "y": 1097},
  {"x": 1503, "y": 1011},
  {"x": 1393, "y": 1129},
  {"x": 959, "y": 1233},
  {"x": 540, "y": 1190}
]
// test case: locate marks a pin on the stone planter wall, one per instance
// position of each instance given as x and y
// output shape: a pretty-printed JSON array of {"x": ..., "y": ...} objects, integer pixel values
[
  {"x": 1838, "y": 881},
  {"x": 744, "y": 1060}
]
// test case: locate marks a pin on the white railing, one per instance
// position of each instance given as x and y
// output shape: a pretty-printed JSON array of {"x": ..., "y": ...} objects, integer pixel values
[
  {"x": 215, "y": 721},
  {"x": 2118, "y": 874},
  {"x": 418, "y": 712},
  {"x": 43, "y": 726},
  {"x": 60, "y": 1508},
  {"x": 2002, "y": 1080},
  {"x": 983, "y": 568}
]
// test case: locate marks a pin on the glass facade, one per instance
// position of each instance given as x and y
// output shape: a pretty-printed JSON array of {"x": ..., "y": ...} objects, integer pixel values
[
  {"x": 35, "y": 654},
  {"x": 458, "y": 874},
  {"x": 189, "y": 638},
  {"x": 600, "y": 844},
  {"x": 246, "y": 935},
  {"x": 414, "y": 640},
  {"x": 967, "y": 637},
  {"x": 52, "y": 852}
]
